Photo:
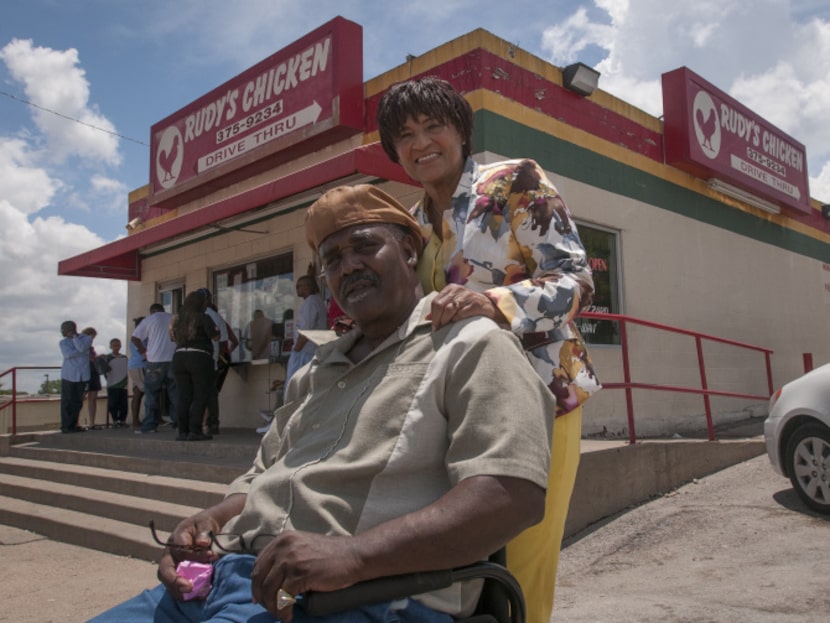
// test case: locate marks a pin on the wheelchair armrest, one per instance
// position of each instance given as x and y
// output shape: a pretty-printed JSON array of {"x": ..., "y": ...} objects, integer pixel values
[{"x": 400, "y": 586}]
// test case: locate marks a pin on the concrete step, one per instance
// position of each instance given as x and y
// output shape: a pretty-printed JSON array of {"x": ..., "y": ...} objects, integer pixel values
[
  {"x": 126, "y": 508},
  {"x": 156, "y": 463},
  {"x": 101, "y": 489},
  {"x": 69, "y": 526},
  {"x": 140, "y": 485}
]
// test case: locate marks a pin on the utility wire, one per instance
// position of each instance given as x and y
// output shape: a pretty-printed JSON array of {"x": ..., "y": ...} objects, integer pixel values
[{"x": 89, "y": 125}]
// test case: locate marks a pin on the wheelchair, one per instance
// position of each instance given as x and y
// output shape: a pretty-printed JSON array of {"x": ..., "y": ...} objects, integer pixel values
[{"x": 501, "y": 599}]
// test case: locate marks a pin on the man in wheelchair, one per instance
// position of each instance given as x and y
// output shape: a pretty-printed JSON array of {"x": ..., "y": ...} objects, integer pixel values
[{"x": 399, "y": 449}]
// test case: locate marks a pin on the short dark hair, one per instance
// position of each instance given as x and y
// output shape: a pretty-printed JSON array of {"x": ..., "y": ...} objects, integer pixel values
[
  {"x": 311, "y": 281},
  {"x": 156, "y": 307},
  {"x": 430, "y": 96}
]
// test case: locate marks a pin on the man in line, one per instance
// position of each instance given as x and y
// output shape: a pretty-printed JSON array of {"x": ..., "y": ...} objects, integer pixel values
[
  {"x": 313, "y": 315},
  {"x": 399, "y": 449},
  {"x": 220, "y": 348},
  {"x": 154, "y": 331},
  {"x": 260, "y": 332},
  {"x": 75, "y": 374}
]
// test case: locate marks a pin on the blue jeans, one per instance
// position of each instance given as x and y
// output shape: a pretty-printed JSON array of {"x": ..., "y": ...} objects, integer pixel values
[
  {"x": 229, "y": 601},
  {"x": 158, "y": 375}
]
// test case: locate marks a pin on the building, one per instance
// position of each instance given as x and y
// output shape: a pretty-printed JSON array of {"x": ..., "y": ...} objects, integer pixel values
[{"x": 701, "y": 220}]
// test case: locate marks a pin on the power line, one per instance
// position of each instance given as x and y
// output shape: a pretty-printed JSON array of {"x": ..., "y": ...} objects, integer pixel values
[{"x": 89, "y": 125}]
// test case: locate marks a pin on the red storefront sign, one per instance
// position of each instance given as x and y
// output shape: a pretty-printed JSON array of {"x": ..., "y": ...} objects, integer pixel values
[
  {"x": 711, "y": 135},
  {"x": 311, "y": 87}
]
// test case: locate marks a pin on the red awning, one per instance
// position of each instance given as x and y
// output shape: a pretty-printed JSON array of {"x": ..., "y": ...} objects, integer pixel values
[{"x": 122, "y": 259}]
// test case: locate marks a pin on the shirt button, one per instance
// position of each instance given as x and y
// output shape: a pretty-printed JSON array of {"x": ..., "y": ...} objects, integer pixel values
[{"x": 341, "y": 384}]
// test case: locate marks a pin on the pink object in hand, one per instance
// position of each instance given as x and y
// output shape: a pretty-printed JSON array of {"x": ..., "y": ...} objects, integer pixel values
[{"x": 200, "y": 574}]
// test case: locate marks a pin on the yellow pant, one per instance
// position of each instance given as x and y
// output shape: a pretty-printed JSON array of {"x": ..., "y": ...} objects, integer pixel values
[{"x": 534, "y": 555}]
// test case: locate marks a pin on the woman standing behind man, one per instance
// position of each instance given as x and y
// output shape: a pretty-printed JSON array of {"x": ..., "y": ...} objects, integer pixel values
[
  {"x": 194, "y": 332},
  {"x": 500, "y": 242}
]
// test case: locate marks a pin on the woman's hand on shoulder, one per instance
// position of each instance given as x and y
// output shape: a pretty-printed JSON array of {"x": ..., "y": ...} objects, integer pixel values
[{"x": 455, "y": 302}]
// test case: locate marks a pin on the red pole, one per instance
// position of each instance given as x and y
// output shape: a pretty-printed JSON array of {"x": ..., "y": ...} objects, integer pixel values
[
  {"x": 14, "y": 401},
  {"x": 704, "y": 386},
  {"x": 629, "y": 400},
  {"x": 808, "y": 362}
]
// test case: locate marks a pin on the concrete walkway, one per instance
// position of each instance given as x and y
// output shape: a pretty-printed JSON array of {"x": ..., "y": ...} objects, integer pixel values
[{"x": 44, "y": 581}]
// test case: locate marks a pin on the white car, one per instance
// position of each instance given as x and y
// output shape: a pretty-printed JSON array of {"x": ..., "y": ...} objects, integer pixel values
[{"x": 797, "y": 433}]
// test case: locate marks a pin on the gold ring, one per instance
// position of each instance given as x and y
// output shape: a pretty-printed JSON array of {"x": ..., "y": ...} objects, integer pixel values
[{"x": 285, "y": 599}]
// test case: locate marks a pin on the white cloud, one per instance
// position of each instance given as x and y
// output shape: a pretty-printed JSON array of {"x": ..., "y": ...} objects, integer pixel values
[
  {"x": 820, "y": 185},
  {"x": 567, "y": 41},
  {"x": 23, "y": 184},
  {"x": 54, "y": 81},
  {"x": 102, "y": 196},
  {"x": 35, "y": 299}
]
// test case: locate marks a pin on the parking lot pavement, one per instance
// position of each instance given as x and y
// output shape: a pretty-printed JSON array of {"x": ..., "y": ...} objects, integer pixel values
[
  {"x": 737, "y": 546},
  {"x": 43, "y": 581}
]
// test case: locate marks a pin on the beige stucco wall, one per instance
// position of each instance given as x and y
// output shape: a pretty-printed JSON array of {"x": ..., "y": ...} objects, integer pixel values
[{"x": 682, "y": 272}]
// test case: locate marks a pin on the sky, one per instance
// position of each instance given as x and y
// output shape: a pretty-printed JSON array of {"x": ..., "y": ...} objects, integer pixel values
[{"x": 81, "y": 83}]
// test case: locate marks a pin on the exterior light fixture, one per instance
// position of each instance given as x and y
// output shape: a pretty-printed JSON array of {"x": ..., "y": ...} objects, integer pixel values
[
  {"x": 134, "y": 223},
  {"x": 742, "y": 195},
  {"x": 580, "y": 78}
]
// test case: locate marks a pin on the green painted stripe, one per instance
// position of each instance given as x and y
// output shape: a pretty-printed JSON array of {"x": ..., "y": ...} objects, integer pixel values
[{"x": 499, "y": 134}]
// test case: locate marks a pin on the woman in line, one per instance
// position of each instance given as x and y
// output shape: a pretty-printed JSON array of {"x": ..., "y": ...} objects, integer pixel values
[
  {"x": 500, "y": 242},
  {"x": 194, "y": 333},
  {"x": 94, "y": 385},
  {"x": 135, "y": 372}
]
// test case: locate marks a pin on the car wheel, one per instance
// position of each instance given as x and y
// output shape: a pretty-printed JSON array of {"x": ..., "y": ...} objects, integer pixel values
[{"x": 808, "y": 460}]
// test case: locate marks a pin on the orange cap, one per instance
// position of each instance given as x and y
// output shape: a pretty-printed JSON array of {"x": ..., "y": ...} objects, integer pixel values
[{"x": 347, "y": 206}]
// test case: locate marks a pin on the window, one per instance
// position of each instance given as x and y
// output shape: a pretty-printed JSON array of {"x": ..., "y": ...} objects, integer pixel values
[
  {"x": 601, "y": 246},
  {"x": 171, "y": 297},
  {"x": 254, "y": 297}
]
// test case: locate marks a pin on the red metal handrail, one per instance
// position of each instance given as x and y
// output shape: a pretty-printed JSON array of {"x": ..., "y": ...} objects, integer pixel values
[
  {"x": 628, "y": 385},
  {"x": 14, "y": 400}
]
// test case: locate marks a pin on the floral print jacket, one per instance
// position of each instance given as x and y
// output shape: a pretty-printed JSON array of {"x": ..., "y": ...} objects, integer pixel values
[{"x": 510, "y": 236}]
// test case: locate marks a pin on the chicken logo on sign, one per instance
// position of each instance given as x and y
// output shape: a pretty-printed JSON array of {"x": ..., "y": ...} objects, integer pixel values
[
  {"x": 169, "y": 156},
  {"x": 707, "y": 125}
]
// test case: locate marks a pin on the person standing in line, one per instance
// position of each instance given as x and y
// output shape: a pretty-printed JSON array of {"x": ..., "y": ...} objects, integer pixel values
[
  {"x": 226, "y": 357},
  {"x": 313, "y": 316},
  {"x": 74, "y": 374},
  {"x": 259, "y": 334},
  {"x": 223, "y": 364},
  {"x": 116, "y": 374},
  {"x": 94, "y": 384},
  {"x": 500, "y": 242},
  {"x": 194, "y": 333},
  {"x": 221, "y": 351},
  {"x": 152, "y": 339},
  {"x": 135, "y": 372}
]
